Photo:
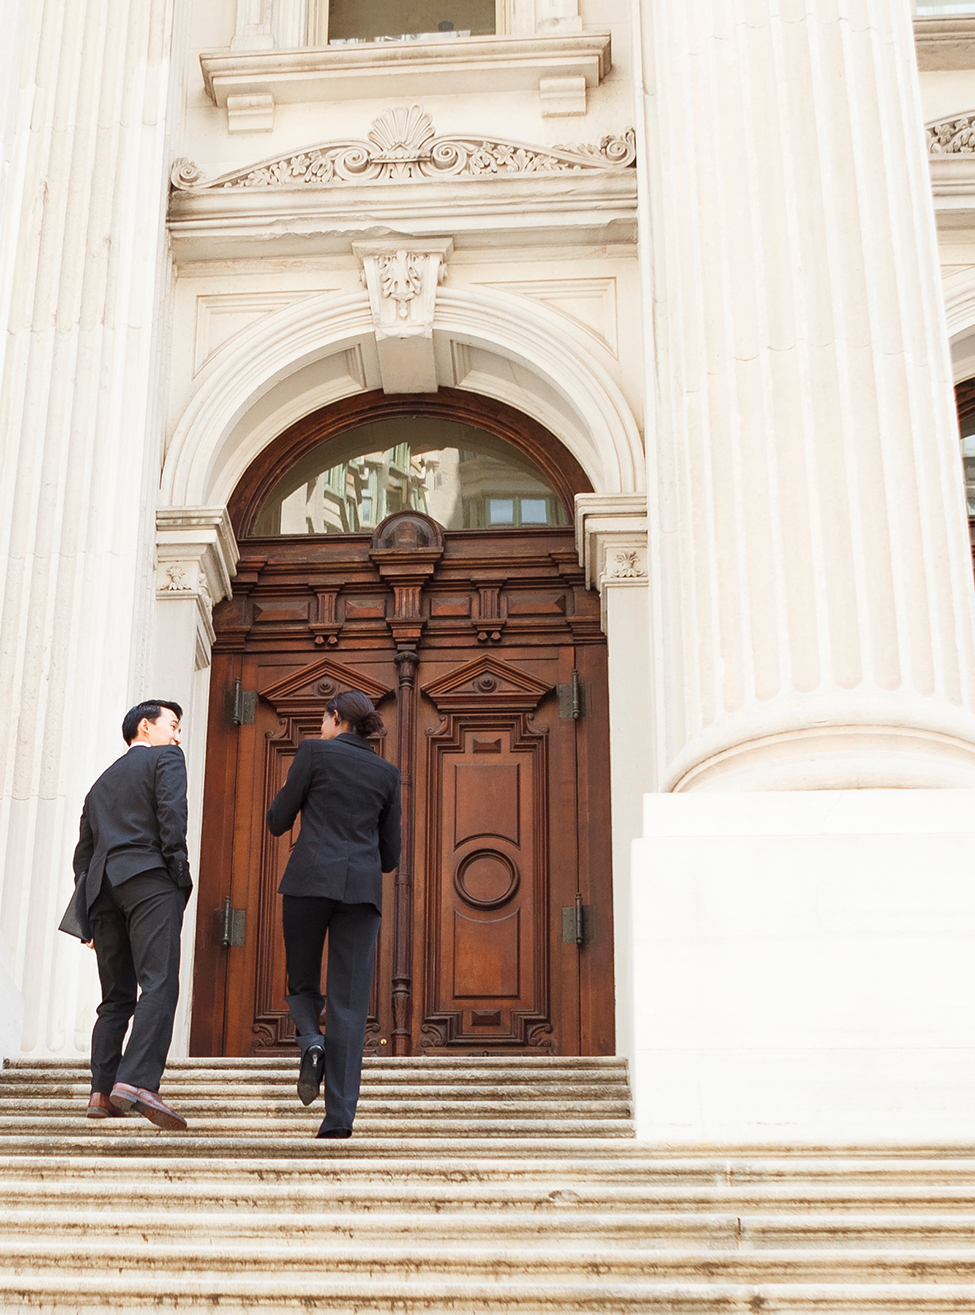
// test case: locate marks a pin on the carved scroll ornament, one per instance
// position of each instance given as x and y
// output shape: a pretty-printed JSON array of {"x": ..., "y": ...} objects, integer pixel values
[
  {"x": 954, "y": 136},
  {"x": 403, "y": 145}
]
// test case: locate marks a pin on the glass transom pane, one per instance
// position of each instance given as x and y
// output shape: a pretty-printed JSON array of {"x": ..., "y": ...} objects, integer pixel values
[
  {"x": 376, "y": 20},
  {"x": 463, "y": 477}
]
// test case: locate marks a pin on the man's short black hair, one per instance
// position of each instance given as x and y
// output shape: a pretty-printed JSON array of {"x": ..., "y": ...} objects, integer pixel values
[{"x": 152, "y": 710}]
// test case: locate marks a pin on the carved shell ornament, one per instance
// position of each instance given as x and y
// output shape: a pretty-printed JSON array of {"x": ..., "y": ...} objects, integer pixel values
[
  {"x": 955, "y": 136},
  {"x": 403, "y": 146}
]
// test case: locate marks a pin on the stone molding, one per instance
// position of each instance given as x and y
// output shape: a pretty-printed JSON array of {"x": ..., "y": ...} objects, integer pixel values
[
  {"x": 951, "y": 162},
  {"x": 611, "y": 540},
  {"x": 207, "y": 454},
  {"x": 196, "y": 555},
  {"x": 588, "y": 208},
  {"x": 952, "y": 136},
  {"x": 942, "y": 42},
  {"x": 462, "y": 66},
  {"x": 402, "y": 282},
  {"x": 402, "y": 145}
]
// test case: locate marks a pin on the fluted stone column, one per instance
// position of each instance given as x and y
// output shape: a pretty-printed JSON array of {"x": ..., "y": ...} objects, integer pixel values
[
  {"x": 810, "y": 544},
  {"x": 82, "y": 303}
]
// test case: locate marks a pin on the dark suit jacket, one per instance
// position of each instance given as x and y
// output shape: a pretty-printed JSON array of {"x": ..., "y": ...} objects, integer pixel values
[
  {"x": 134, "y": 820},
  {"x": 348, "y": 798}
]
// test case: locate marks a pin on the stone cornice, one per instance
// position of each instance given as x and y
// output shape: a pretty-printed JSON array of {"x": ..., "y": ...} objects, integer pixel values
[
  {"x": 406, "y": 179},
  {"x": 945, "y": 43},
  {"x": 460, "y": 66},
  {"x": 584, "y": 208}
]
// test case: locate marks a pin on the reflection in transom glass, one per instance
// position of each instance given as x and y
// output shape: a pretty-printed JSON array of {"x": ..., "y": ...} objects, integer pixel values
[
  {"x": 352, "y": 21},
  {"x": 463, "y": 477}
]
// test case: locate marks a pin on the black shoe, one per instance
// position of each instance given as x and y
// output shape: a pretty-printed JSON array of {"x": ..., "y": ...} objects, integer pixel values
[
  {"x": 333, "y": 1132},
  {"x": 310, "y": 1075}
]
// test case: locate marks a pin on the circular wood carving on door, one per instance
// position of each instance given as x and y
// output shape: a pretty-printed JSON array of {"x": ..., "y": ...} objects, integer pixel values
[{"x": 486, "y": 879}]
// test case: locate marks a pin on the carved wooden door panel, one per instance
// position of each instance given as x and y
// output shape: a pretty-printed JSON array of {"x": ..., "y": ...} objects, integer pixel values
[
  {"x": 471, "y": 650},
  {"x": 488, "y": 889}
]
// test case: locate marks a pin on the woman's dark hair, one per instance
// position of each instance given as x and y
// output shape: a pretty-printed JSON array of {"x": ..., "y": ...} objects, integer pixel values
[
  {"x": 151, "y": 709},
  {"x": 356, "y": 708}
]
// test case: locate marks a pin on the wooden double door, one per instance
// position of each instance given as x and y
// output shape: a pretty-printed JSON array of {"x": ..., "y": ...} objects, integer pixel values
[{"x": 483, "y": 654}]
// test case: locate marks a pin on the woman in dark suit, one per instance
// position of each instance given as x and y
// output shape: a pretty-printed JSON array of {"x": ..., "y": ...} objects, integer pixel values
[{"x": 349, "y": 802}]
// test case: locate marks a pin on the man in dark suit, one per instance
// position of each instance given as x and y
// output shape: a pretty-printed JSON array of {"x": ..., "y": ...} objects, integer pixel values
[
  {"x": 131, "y": 855},
  {"x": 349, "y": 802}
]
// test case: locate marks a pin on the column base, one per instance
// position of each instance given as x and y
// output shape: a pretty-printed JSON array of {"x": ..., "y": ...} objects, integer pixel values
[
  {"x": 802, "y": 966},
  {"x": 824, "y": 747}
]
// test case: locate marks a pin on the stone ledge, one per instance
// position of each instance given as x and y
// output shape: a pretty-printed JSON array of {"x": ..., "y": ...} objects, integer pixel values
[
  {"x": 597, "y": 206},
  {"x": 416, "y": 68},
  {"x": 945, "y": 43}
]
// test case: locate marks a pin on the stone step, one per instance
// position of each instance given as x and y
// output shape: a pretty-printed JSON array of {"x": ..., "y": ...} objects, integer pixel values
[
  {"x": 824, "y": 1234},
  {"x": 513, "y": 1186},
  {"x": 303, "y": 1124},
  {"x": 55, "y": 1294},
  {"x": 289, "y": 1106},
  {"x": 513, "y": 1064},
  {"x": 285, "y": 1090},
  {"x": 136, "y": 1137},
  {"x": 412, "y": 1262},
  {"x": 609, "y": 1160},
  {"x": 404, "y": 1194}
]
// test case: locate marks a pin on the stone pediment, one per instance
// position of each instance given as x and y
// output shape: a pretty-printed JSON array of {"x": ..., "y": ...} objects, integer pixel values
[
  {"x": 403, "y": 146},
  {"x": 486, "y": 682},
  {"x": 309, "y": 689}
]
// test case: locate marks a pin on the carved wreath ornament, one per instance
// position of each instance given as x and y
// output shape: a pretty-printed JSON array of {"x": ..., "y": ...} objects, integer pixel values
[{"x": 402, "y": 145}]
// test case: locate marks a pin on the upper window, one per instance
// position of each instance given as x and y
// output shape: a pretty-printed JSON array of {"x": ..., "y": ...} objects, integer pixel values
[
  {"x": 352, "y": 21},
  {"x": 463, "y": 477}
]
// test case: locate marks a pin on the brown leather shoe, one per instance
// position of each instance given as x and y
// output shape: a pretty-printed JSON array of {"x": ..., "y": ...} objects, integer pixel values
[
  {"x": 100, "y": 1107},
  {"x": 145, "y": 1102}
]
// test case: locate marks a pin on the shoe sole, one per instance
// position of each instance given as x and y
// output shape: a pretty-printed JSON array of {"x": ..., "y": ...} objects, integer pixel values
[
  {"x": 308, "y": 1091},
  {"x": 170, "y": 1122}
]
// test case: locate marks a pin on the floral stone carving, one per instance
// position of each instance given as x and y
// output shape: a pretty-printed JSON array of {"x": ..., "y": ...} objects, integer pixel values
[
  {"x": 952, "y": 136},
  {"x": 402, "y": 145}
]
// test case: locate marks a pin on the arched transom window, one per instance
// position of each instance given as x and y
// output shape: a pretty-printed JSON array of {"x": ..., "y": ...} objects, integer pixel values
[{"x": 464, "y": 477}]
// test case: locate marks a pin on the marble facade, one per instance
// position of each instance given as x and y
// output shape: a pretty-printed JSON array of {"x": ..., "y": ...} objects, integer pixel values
[{"x": 710, "y": 247}]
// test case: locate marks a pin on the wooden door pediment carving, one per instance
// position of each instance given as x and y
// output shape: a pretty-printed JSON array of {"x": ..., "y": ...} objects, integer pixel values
[
  {"x": 486, "y": 682},
  {"x": 308, "y": 689}
]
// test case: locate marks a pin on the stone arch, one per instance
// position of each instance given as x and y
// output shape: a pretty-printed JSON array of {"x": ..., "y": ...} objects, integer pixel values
[{"x": 322, "y": 349}]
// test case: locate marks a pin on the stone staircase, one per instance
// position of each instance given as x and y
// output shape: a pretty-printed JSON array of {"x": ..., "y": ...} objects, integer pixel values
[{"x": 471, "y": 1185}]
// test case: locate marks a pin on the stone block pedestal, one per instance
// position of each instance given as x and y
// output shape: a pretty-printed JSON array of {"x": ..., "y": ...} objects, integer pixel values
[{"x": 803, "y": 966}]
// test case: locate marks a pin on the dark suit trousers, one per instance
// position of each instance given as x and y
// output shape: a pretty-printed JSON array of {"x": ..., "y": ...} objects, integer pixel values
[
  {"x": 352, "y": 931},
  {"x": 135, "y": 928}
]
